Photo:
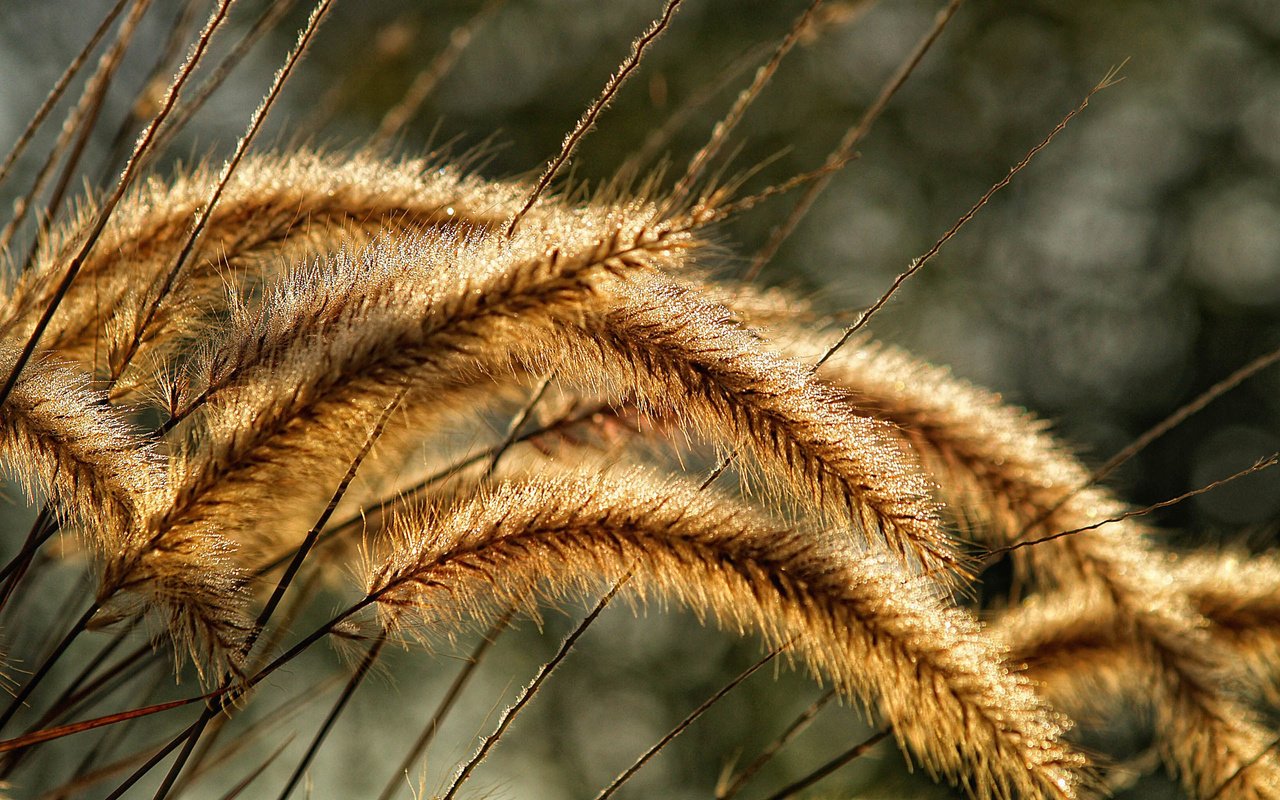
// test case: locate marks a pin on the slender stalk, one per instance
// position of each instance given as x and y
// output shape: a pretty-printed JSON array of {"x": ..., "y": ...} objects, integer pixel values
[
  {"x": 282, "y": 586},
  {"x": 12, "y": 572},
  {"x": 792, "y": 789},
  {"x": 122, "y": 184},
  {"x": 248, "y": 780},
  {"x": 706, "y": 705},
  {"x": 41, "y": 671},
  {"x": 272, "y": 14},
  {"x": 79, "y": 122},
  {"x": 1179, "y": 416},
  {"x": 579, "y": 132},
  {"x": 202, "y": 220},
  {"x": 356, "y": 678},
  {"x": 735, "y": 784},
  {"x": 450, "y": 697},
  {"x": 59, "y": 87},
  {"x": 425, "y": 82},
  {"x": 851, "y": 139},
  {"x": 720, "y": 134},
  {"x": 155, "y": 81},
  {"x": 517, "y": 423},
  {"x": 1257, "y": 466},
  {"x": 71, "y": 701},
  {"x": 527, "y": 694}
]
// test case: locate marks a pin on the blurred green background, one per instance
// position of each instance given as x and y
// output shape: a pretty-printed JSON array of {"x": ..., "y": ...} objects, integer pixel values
[{"x": 1132, "y": 265}]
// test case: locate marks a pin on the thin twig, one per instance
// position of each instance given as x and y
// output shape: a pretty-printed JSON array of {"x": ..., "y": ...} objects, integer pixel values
[
  {"x": 579, "y": 131},
  {"x": 733, "y": 785},
  {"x": 80, "y": 120},
  {"x": 792, "y": 789},
  {"x": 170, "y": 52},
  {"x": 347, "y": 692},
  {"x": 527, "y": 694},
  {"x": 1153, "y": 433},
  {"x": 450, "y": 697},
  {"x": 426, "y": 81},
  {"x": 282, "y": 586},
  {"x": 122, "y": 184},
  {"x": 59, "y": 87},
  {"x": 248, "y": 780},
  {"x": 308, "y": 32},
  {"x": 706, "y": 705},
  {"x": 1258, "y": 466},
  {"x": 517, "y": 424},
  {"x": 851, "y": 139},
  {"x": 272, "y": 14},
  {"x": 1110, "y": 79},
  {"x": 720, "y": 133}
]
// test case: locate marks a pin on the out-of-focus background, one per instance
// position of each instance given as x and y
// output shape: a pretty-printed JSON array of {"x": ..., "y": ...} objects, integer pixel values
[{"x": 1132, "y": 265}]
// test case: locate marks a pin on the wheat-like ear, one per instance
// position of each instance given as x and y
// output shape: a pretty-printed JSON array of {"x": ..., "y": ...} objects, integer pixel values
[
  {"x": 1074, "y": 641},
  {"x": 1240, "y": 593},
  {"x": 284, "y": 389},
  {"x": 275, "y": 209},
  {"x": 685, "y": 358},
  {"x": 188, "y": 580},
  {"x": 322, "y": 360},
  {"x": 881, "y": 635},
  {"x": 59, "y": 435},
  {"x": 998, "y": 464}
]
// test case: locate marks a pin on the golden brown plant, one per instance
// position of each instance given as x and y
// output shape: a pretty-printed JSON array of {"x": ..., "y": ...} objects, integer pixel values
[{"x": 226, "y": 391}]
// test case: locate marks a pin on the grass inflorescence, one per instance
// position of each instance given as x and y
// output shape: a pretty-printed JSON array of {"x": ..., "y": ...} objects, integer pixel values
[{"x": 340, "y": 396}]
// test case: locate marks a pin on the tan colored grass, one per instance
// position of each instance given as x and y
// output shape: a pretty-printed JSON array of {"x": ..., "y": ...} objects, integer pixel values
[
  {"x": 64, "y": 441},
  {"x": 881, "y": 635},
  {"x": 1074, "y": 642},
  {"x": 332, "y": 293},
  {"x": 275, "y": 211},
  {"x": 998, "y": 466}
]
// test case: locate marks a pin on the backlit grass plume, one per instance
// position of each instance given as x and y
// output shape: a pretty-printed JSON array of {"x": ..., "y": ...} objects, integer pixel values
[{"x": 311, "y": 396}]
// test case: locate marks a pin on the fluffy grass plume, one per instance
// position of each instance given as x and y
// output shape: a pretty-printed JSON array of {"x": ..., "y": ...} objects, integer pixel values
[{"x": 311, "y": 396}]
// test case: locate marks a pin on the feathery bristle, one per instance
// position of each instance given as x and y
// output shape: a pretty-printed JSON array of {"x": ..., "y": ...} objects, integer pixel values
[
  {"x": 274, "y": 210},
  {"x": 879, "y": 634},
  {"x": 998, "y": 465},
  {"x": 59, "y": 435}
]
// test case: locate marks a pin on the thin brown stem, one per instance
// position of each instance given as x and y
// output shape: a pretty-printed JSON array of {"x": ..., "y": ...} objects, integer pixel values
[
  {"x": 720, "y": 134},
  {"x": 706, "y": 705},
  {"x": 164, "y": 65},
  {"x": 308, "y": 32},
  {"x": 792, "y": 789},
  {"x": 1179, "y": 416},
  {"x": 1258, "y": 466},
  {"x": 78, "y": 124},
  {"x": 527, "y": 694},
  {"x": 127, "y": 175},
  {"x": 850, "y": 140},
  {"x": 588, "y": 120},
  {"x": 272, "y": 14},
  {"x": 59, "y": 87},
  {"x": 447, "y": 702},
  {"x": 736, "y": 783},
  {"x": 426, "y": 81},
  {"x": 1108, "y": 80},
  {"x": 322, "y": 733}
]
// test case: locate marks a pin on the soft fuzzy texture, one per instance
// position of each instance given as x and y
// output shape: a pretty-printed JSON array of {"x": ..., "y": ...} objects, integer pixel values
[{"x": 879, "y": 634}]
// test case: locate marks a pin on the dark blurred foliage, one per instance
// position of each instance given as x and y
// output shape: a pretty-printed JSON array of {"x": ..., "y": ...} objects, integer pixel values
[{"x": 1135, "y": 263}]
